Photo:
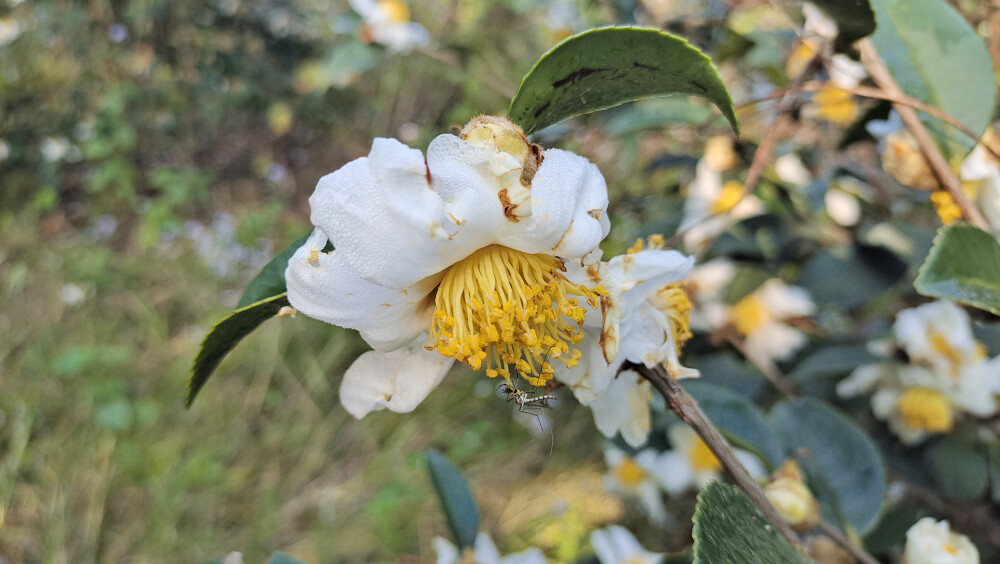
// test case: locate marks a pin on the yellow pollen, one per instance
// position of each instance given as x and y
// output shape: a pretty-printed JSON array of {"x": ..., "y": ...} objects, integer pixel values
[
  {"x": 748, "y": 314},
  {"x": 940, "y": 345},
  {"x": 396, "y": 10},
  {"x": 946, "y": 208},
  {"x": 836, "y": 105},
  {"x": 925, "y": 409},
  {"x": 630, "y": 473},
  {"x": 731, "y": 194},
  {"x": 501, "y": 309},
  {"x": 701, "y": 457},
  {"x": 655, "y": 242},
  {"x": 950, "y": 548},
  {"x": 673, "y": 301}
]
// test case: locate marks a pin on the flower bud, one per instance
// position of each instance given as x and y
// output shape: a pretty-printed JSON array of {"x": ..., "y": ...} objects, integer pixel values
[
  {"x": 515, "y": 164},
  {"x": 791, "y": 496}
]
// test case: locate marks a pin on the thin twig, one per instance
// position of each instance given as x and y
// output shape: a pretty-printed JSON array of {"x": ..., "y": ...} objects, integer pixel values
[
  {"x": 882, "y": 77},
  {"x": 690, "y": 412},
  {"x": 841, "y": 539},
  {"x": 765, "y": 366}
]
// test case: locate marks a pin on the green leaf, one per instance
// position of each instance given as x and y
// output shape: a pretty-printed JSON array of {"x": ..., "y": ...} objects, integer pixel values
[
  {"x": 271, "y": 279},
  {"x": 960, "y": 470},
  {"x": 729, "y": 529},
  {"x": 836, "y": 453},
  {"x": 963, "y": 265},
  {"x": 748, "y": 279},
  {"x": 279, "y": 557},
  {"x": 225, "y": 335},
  {"x": 456, "y": 499},
  {"x": 936, "y": 57},
  {"x": 608, "y": 66},
  {"x": 851, "y": 276},
  {"x": 739, "y": 419},
  {"x": 832, "y": 361},
  {"x": 854, "y": 19},
  {"x": 995, "y": 471}
]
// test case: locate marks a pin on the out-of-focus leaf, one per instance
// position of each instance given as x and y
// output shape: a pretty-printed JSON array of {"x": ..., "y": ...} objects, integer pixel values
[
  {"x": 656, "y": 113},
  {"x": 936, "y": 57},
  {"x": 837, "y": 452},
  {"x": 863, "y": 273},
  {"x": 456, "y": 499},
  {"x": 739, "y": 419},
  {"x": 608, "y": 66},
  {"x": 271, "y": 279},
  {"x": 891, "y": 529},
  {"x": 728, "y": 529},
  {"x": 761, "y": 237},
  {"x": 225, "y": 335},
  {"x": 832, "y": 361},
  {"x": 854, "y": 19},
  {"x": 279, "y": 557},
  {"x": 960, "y": 470},
  {"x": 995, "y": 471},
  {"x": 746, "y": 280},
  {"x": 731, "y": 372},
  {"x": 963, "y": 265}
]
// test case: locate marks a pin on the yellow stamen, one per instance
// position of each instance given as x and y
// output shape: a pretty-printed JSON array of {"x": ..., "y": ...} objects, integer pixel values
[
  {"x": 673, "y": 301},
  {"x": 946, "y": 208},
  {"x": 950, "y": 548},
  {"x": 940, "y": 345},
  {"x": 748, "y": 314},
  {"x": 396, "y": 10},
  {"x": 630, "y": 473},
  {"x": 701, "y": 457},
  {"x": 925, "y": 409},
  {"x": 502, "y": 308},
  {"x": 731, "y": 194},
  {"x": 836, "y": 105}
]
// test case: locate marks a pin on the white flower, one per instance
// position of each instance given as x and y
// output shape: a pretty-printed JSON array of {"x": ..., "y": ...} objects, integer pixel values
[
  {"x": 388, "y": 22},
  {"x": 641, "y": 477},
  {"x": 933, "y": 542},
  {"x": 484, "y": 552},
  {"x": 616, "y": 545},
  {"x": 937, "y": 334},
  {"x": 692, "y": 464},
  {"x": 980, "y": 175},
  {"x": 460, "y": 254}
]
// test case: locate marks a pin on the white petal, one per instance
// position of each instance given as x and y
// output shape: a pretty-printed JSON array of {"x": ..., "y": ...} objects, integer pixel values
[
  {"x": 862, "y": 380},
  {"x": 652, "y": 502},
  {"x": 676, "y": 475},
  {"x": 624, "y": 407},
  {"x": 447, "y": 553},
  {"x": 773, "y": 341},
  {"x": 397, "y": 380},
  {"x": 486, "y": 552},
  {"x": 750, "y": 461},
  {"x": 527, "y": 556},
  {"x": 591, "y": 376},
  {"x": 783, "y": 301},
  {"x": 325, "y": 287}
]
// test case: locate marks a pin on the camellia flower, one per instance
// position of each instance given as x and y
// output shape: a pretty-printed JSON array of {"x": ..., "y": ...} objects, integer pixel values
[
  {"x": 692, "y": 464},
  {"x": 933, "y": 542},
  {"x": 640, "y": 477},
  {"x": 616, "y": 545},
  {"x": 456, "y": 257},
  {"x": 980, "y": 174},
  {"x": 948, "y": 374},
  {"x": 388, "y": 22},
  {"x": 483, "y": 552}
]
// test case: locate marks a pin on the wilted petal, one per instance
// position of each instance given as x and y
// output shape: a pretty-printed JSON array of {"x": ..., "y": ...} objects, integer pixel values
[{"x": 397, "y": 380}]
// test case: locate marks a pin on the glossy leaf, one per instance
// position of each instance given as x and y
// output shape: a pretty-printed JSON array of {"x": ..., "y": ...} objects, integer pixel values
[
  {"x": 739, "y": 419},
  {"x": 729, "y": 529},
  {"x": 835, "y": 360},
  {"x": 457, "y": 501},
  {"x": 225, "y": 335},
  {"x": 837, "y": 455},
  {"x": 854, "y": 18},
  {"x": 604, "y": 67},
  {"x": 963, "y": 265},
  {"x": 271, "y": 279},
  {"x": 935, "y": 56}
]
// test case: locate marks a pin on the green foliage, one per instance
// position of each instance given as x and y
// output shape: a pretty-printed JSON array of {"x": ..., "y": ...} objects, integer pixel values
[
  {"x": 963, "y": 265},
  {"x": 608, "y": 66},
  {"x": 225, "y": 335},
  {"x": 851, "y": 276},
  {"x": 936, "y": 57},
  {"x": 832, "y": 361},
  {"x": 960, "y": 469},
  {"x": 457, "y": 502},
  {"x": 739, "y": 420},
  {"x": 842, "y": 463},
  {"x": 271, "y": 279},
  {"x": 728, "y": 529}
]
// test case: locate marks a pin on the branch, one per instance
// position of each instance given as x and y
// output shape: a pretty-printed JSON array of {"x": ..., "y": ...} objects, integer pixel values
[
  {"x": 766, "y": 367},
  {"x": 839, "y": 538},
  {"x": 883, "y": 78}
]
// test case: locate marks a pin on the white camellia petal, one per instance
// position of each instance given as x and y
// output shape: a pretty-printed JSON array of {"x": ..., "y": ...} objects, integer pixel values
[
  {"x": 677, "y": 474},
  {"x": 933, "y": 542},
  {"x": 773, "y": 340},
  {"x": 446, "y": 552},
  {"x": 783, "y": 301},
  {"x": 623, "y": 408},
  {"x": 616, "y": 545},
  {"x": 592, "y": 375},
  {"x": 397, "y": 380},
  {"x": 323, "y": 286}
]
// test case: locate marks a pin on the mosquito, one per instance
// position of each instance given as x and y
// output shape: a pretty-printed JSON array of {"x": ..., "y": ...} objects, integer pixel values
[{"x": 525, "y": 403}]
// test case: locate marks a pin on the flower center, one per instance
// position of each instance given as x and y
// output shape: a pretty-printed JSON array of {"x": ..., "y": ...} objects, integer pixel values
[
  {"x": 835, "y": 105},
  {"x": 731, "y": 194},
  {"x": 509, "y": 309},
  {"x": 925, "y": 409},
  {"x": 950, "y": 548},
  {"x": 630, "y": 473},
  {"x": 946, "y": 208},
  {"x": 701, "y": 457},
  {"x": 395, "y": 10},
  {"x": 940, "y": 345},
  {"x": 748, "y": 314},
  {"x": 674, "y": 302}
]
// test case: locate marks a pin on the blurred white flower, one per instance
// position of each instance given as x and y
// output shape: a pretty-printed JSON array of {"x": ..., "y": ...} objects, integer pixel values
[
  {"x": 939, "y": 335},
  {"x": 789, "y": 168},
  {"x": 53, "y": 148},
  {"x": 484, "y": 552},
  {"x": 691, "y": 464},
  {"x": 640, "y": 477},
  {"x": 980, "y": 174},
  {"x": 843, "y": 208},
  {"x": 388, "y": 22},
  {"x": 616, "y": 545},
  {"x": 933, "y": 542},
  {"x": 4, "y": 150},
  {"x": 458, "y": 256},
  {"x": 72, "y": 294}
]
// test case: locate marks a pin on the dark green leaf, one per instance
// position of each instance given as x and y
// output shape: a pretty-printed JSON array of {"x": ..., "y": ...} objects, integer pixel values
[
  {"x": 891, "y": 529},
  {"x": 747, "y": 279},
  {"x": 271, "y": 280},
  {"x": 225, "y": 335},
  {"x": 854, "y": 19},
  {"x": 729, "y": 529},
  {"x": 835, "y": 360},
  {"x": 936, "y": 57},
  {"x": 963, "y": 265},
  {"x": 959, "y": 469},
  {"x": 853, "y": 276},
  {"x": 730, "y": 371},
  {"x": 279, "y": 557},
  {"x": 608, "y": 66},
  {"x": 456, "y": 499},
  {"x": 995, "y": 471},
  {"x": 834, "y": 451},
  {"x": 740, "y": 420}
]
